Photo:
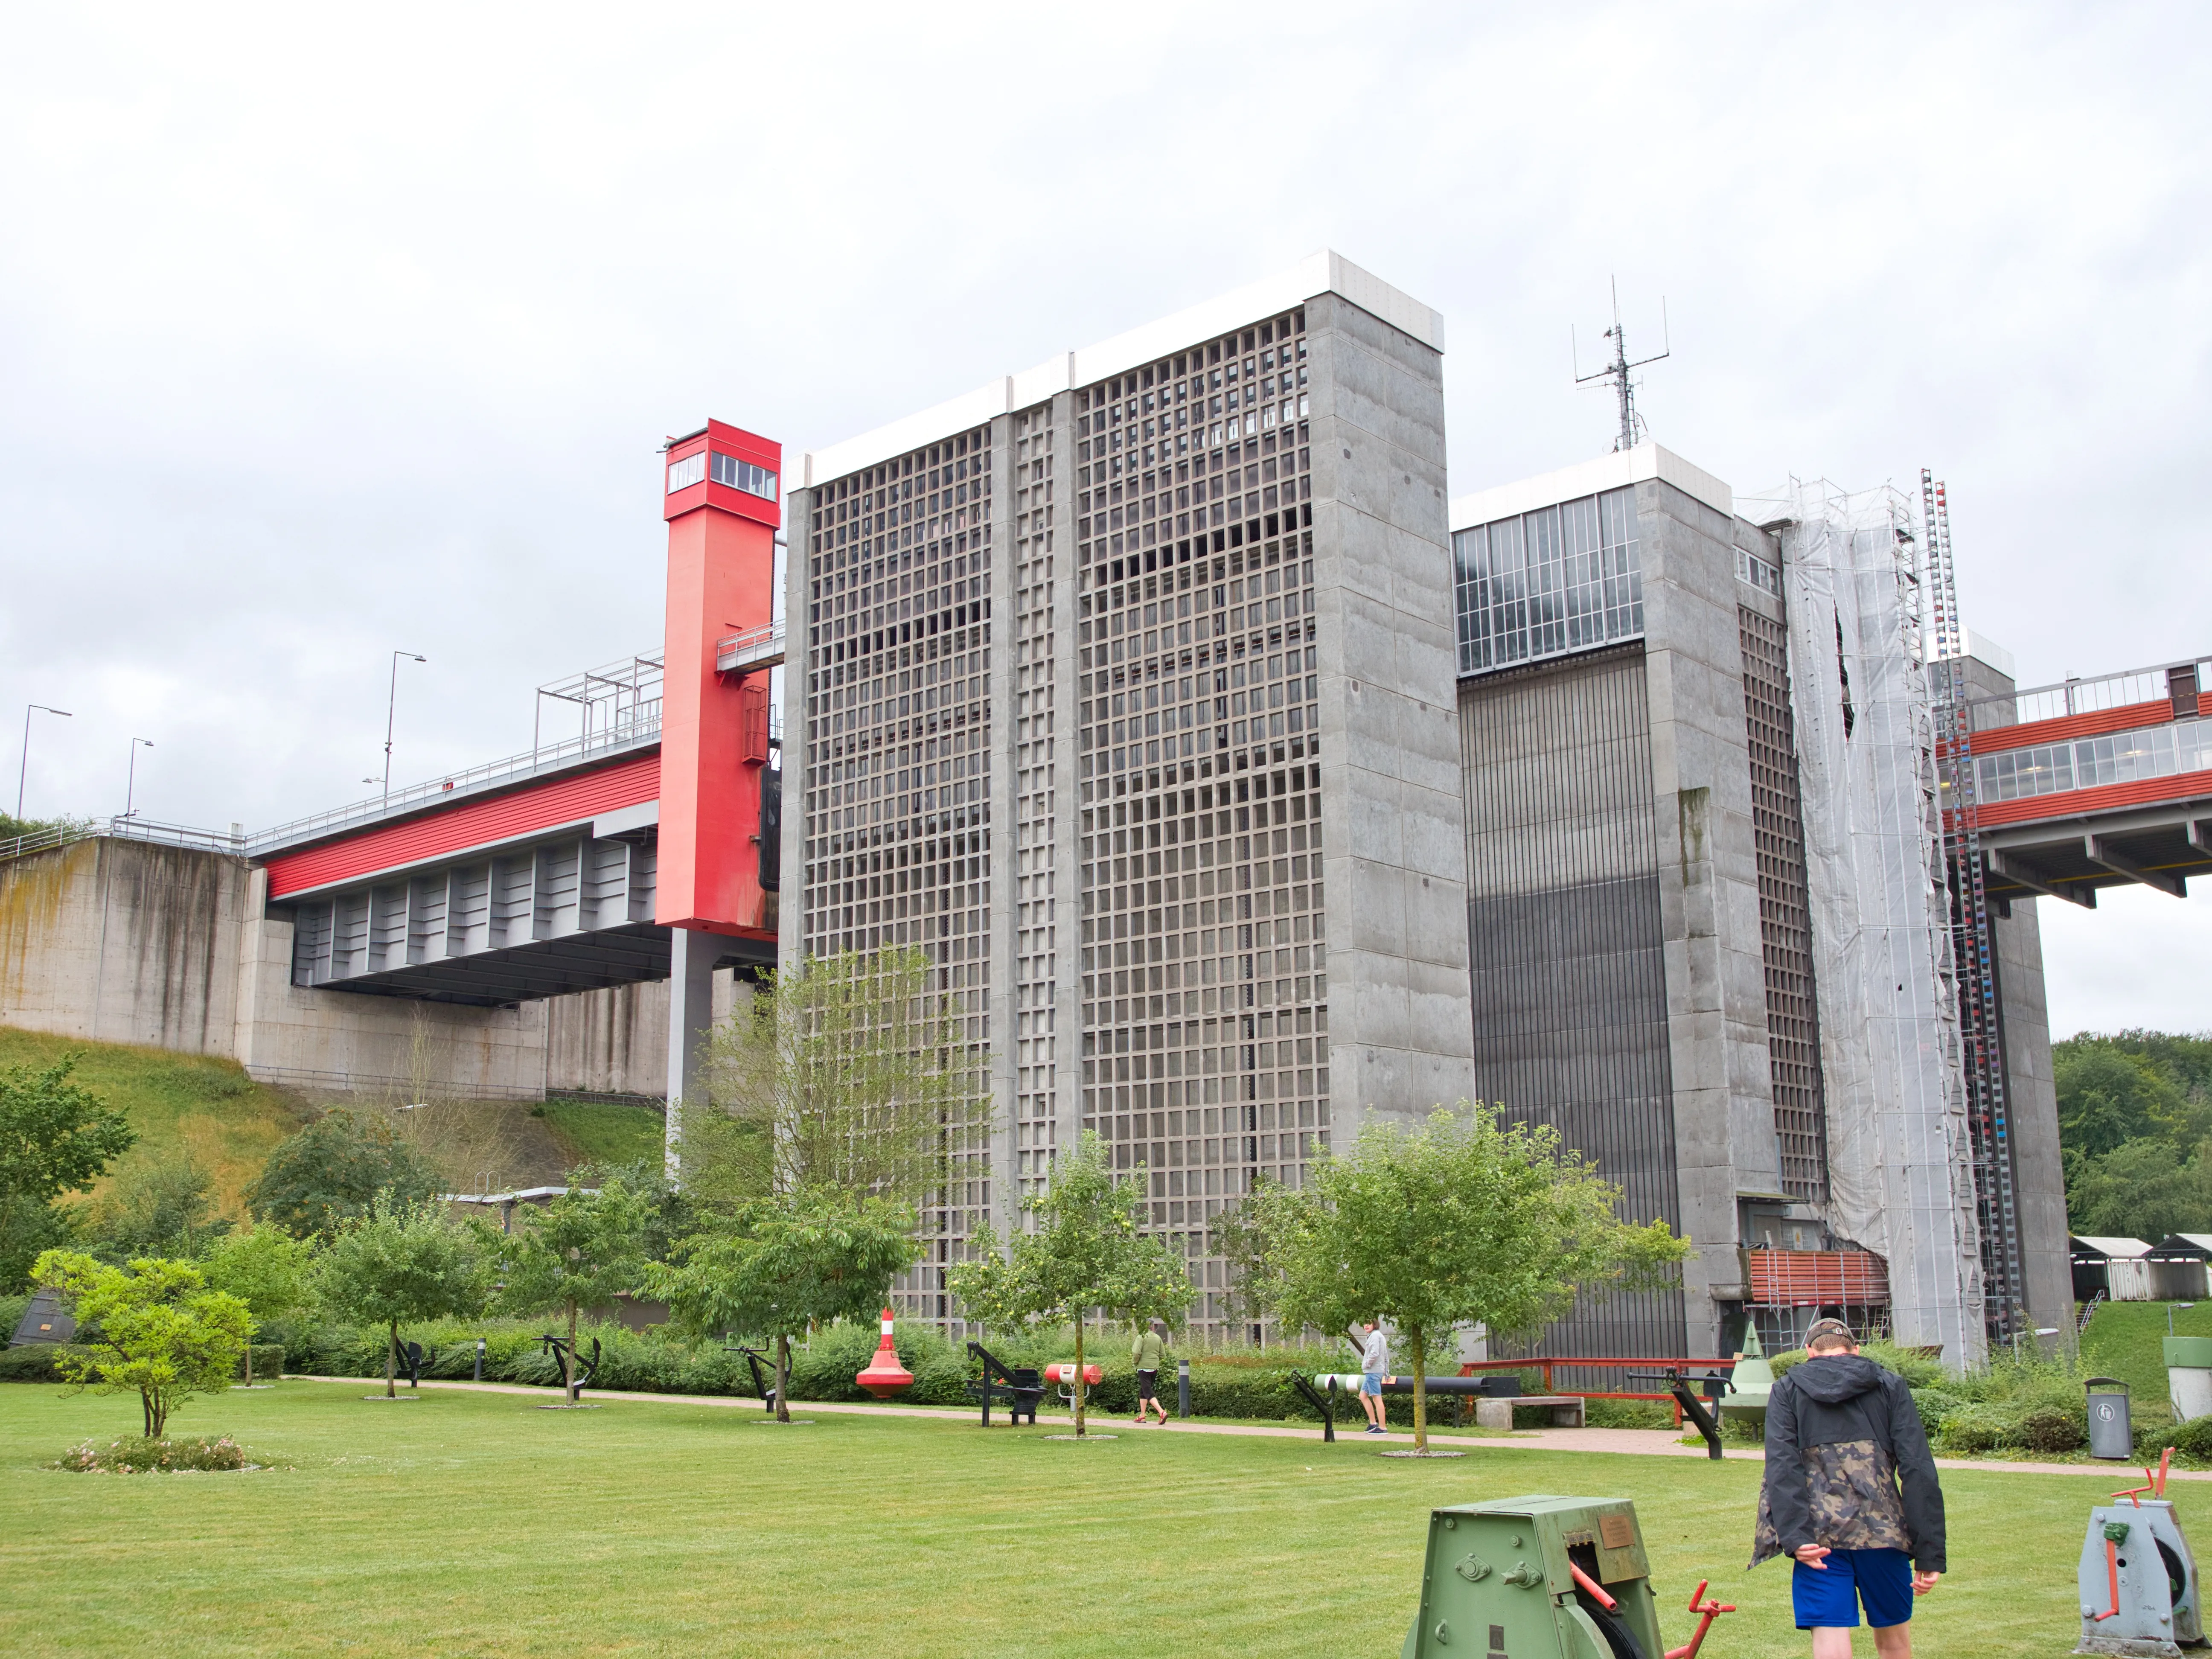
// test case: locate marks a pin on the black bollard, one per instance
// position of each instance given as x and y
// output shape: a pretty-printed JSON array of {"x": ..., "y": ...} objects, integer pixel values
[
  {"x": 1183, "y": 1388},
  {"x": 479, "y": 1377}
]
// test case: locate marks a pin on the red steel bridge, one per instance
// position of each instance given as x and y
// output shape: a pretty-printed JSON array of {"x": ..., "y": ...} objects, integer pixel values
[{"x": 2094, "y": 783}]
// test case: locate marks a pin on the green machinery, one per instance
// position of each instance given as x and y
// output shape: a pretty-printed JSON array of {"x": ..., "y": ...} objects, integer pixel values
[{"x": 1542, "y": 1577}]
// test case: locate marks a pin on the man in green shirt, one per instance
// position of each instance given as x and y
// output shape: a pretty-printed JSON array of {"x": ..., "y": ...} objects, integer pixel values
[{"x": 1146, "y": 1353}]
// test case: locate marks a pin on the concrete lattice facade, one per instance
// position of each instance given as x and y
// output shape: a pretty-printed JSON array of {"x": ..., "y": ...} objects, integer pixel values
[{"x": 1194, "y": 814}]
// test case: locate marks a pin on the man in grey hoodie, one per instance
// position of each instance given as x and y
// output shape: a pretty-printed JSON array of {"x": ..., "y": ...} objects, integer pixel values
[{"x": 1851, "y": 1494}]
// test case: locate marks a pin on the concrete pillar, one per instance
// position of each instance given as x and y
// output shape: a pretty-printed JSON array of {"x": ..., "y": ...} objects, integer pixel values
[{"x": 691, "y": 959}]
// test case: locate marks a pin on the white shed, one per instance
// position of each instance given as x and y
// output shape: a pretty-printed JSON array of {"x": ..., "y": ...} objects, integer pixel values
[{"x": 2118, "y": 1266}]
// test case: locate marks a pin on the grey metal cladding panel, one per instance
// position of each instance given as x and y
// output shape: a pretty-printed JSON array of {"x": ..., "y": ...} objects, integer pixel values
[
  {"x": 1570, "y": 1014},
  {"x": 1556, "y": 769},
  {"x": 1566, "y": 942}
]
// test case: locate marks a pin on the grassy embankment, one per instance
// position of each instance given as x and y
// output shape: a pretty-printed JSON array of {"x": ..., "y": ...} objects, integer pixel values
[
  {"x": 205, "y": 1107},
  {"x": 603, "y": 1132},
  {"x": 474, "y": 1523},
  {"x": 195, "y": 1105},
  {"x": 2126, "y": 1339}
]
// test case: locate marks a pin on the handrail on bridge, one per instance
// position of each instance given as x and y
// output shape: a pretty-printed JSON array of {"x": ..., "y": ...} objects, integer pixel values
[{"x": 2120, "y": 690}]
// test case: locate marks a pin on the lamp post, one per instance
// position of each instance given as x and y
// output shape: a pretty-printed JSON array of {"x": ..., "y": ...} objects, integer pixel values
[
  {"x": 391, "y": 707},
  {"x": 130, "y": 781},
  {"x": 23, "y": 771}
]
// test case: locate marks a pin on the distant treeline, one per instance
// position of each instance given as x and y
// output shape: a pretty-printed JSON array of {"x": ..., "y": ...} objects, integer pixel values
[{"x": 2134, "y": 1123}]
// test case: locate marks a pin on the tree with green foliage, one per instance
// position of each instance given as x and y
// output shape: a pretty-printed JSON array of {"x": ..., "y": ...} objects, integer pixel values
[
  {"x": 580, "y": 1250},
  {"x": 1083, "y": 1251},
  {"x": 2108, "y": 1097},
  {"x": 329, "y": 1173},
  {"x": 156, "y": 1206},
  {"x": 2134, "y": 1123},
  {"x": 777, "y": 1266},
  {"x": 264, "y": 1268},
  {"x": 55, "y": 1137},
  {"x": 1466, "y": 1220},
  {"x": 849, "y": 1071},
  {"x": 400, "y": 1260},
  {"x": 2143, "y": 1189},
  {"x": 154, "y": 1328}
]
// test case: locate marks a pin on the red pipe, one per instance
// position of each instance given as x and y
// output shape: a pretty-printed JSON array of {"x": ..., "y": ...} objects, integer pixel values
[
  {"x": 2112, "y": 1572},
  {"x": 1598, "y": 1590}
]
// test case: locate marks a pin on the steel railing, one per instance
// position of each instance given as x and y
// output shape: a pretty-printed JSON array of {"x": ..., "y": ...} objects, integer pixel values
[
  {"x": 635, "y": 733},
  {"x": 120, "y": 828},
  {"x": 2123, "y": 689}
]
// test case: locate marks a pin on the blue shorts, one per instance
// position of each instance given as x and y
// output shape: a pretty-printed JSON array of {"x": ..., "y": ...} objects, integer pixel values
[
  {"x": 1371, "y": 1383},
  {"x": 1881, "y": 1578}
]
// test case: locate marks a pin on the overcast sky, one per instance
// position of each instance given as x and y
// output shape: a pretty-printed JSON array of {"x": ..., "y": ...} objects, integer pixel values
[{"x": 323, "y": 334}]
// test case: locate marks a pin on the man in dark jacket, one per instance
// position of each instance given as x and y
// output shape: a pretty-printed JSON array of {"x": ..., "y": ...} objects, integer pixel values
[{"x": 1841, "y": 1434}]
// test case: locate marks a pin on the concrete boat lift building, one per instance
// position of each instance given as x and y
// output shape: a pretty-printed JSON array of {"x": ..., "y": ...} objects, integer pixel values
[{"x": 1242, "y": 788}]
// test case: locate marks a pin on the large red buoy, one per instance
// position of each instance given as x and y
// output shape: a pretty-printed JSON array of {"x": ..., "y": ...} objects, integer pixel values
[{"x": 884, "y": 1375}]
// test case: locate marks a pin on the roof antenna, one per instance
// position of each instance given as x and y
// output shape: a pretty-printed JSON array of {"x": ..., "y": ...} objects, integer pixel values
[{"x": 1633, "y": 430}]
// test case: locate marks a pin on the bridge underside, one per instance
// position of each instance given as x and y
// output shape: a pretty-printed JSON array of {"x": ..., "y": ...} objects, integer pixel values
[
  {"x": 2073, "y": 858},
  {"x": 570, "y": 912},
  {"x": 549, "y": 967}
]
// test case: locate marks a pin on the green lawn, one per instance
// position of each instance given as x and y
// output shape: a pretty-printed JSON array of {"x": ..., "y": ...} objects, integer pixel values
[
  {"x": 477, "y": 1524},
  {"x": 605, "y": 1132}
]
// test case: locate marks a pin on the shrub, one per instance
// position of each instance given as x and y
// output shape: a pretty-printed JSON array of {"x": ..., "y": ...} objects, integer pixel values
[
  {"x": 32, "y": 1363},
  {"x": 137, "y": 1455},
  {"x": 2054, "y": 1428},
  {"x": 2192, "y": 1439},
  {"x": 1979, "y": 1429},
  {"x": 1652, "y": 1414},
  {"x": 268, "y": 1362},
  {"x": 1936, "y": 1408}
]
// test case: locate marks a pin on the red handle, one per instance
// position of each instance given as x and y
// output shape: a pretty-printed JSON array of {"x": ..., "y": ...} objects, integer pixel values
[
  {"x": 1711, "y": 1610},
  {"x": 1596, "y": 1590},
  {"x": 2111, "y": 1572}
]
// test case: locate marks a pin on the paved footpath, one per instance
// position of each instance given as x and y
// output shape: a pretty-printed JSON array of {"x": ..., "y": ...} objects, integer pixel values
[{"x": 1636, "y": 1442}]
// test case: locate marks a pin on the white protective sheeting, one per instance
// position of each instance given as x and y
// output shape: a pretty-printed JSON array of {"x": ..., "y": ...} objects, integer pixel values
[{"x": 1900, "y": 1176}]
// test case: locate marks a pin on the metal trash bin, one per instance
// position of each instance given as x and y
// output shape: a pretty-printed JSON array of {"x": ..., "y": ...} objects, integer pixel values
[{"x": 2110, "y": 1434}]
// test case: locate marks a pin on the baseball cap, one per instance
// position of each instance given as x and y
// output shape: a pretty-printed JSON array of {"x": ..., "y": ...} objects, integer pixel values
[{"x": 1829, "y": 1330}]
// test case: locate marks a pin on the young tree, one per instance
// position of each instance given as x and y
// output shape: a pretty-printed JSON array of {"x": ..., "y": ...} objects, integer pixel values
[
  {"x": 400, "y": 1260},
  {"x": 579, "y": 1251},
  {"x": 1466, "y": 1220},
  {"x": 55, "y": 1137},
  {"x": 775, "y": 1266},
  {"x": 328, "y": 1173},
  {"x": 849, "y": 1073},
  {"x": 266, "y": 1269},
  {"x": 1085, "y": 1252},
  {"x": 155, "y": 1328},
  {"x": 156, "y": 1208}
]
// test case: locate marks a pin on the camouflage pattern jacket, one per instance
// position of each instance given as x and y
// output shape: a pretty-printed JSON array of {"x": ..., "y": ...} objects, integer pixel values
[{"x": 1848, "y": 1465}]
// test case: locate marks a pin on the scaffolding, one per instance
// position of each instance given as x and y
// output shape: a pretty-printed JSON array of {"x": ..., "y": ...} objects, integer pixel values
[
  {"x": 1899, "y": 1181},
  {"x": 1974, "y": 940}
]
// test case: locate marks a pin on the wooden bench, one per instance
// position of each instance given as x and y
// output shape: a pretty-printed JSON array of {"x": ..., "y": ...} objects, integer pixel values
[{"x": 1496, "y": 1411}]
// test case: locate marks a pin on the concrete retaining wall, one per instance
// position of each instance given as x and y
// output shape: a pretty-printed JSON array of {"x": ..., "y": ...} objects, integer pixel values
[{"x": 121, "y": 941}]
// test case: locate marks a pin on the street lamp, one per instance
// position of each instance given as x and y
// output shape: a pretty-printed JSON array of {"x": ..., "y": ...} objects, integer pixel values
[
  {"x": 391, "y": 706},
  {"x": 23, "y": 771},
  {"x": 130, "y": 781}
]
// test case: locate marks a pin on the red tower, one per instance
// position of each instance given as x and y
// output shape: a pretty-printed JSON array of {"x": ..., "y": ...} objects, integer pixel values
[{"x": 722, "y": 512}]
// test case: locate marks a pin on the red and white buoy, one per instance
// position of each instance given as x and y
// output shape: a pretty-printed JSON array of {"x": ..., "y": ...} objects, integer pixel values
[
  {"x": 1092, "y": 1375},
  {"x": 884, "y": 1375}
]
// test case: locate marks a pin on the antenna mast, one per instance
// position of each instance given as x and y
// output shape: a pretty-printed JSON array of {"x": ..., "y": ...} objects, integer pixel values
[{"x": 1631, "y": 424}]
